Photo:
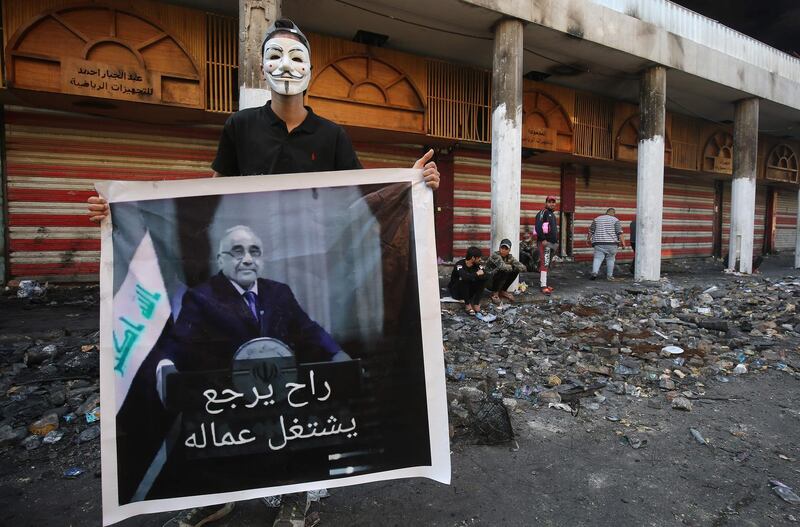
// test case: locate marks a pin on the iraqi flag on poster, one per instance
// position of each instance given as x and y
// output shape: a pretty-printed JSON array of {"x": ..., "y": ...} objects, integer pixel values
[{"x": 141, "y": 309}]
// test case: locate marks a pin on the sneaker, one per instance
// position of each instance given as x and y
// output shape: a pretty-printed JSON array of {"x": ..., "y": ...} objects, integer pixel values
[
  {"x": 203, "y": 515},
  {"x": 593, "y": 276},
  {"x": 293, "y": 511},
  {"x": 547, "y": 290},
  {"x": 612, "y": 279}
]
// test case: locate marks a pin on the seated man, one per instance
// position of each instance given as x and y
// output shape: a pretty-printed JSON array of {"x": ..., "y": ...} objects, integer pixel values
[
  {"x": 502, "y": 269},
  {"x": 468, "y": 280},
  {"x": 528, "y": 253}
]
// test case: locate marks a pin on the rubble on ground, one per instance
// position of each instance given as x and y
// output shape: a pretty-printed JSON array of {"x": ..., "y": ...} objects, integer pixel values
[
  {"x": 588, "y": 354},
  {"x": 595, "y": 351},
  {"x": 49, "y": 380}
]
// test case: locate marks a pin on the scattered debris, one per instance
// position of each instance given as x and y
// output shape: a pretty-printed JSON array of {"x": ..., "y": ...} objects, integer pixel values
[
  {"x": 667, "y": 344},
  {"x": 30, "y": 289},
  {"x": 682, "y": 403},
  {"x": 89, "y": 434},
  {"x": 73, "y": 473},
  {"x": 635, "y": 441},
  {"x": 486, "y": 317},
  {"x": 53, "y": 437},
  {"x": 560, "y": 406},
  {"x": 698, "y": 436},
  {"x": 785, "y": 492}
]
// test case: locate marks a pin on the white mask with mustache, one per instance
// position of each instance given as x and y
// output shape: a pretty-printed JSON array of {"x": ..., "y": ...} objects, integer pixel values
[{"x": 287, "y": 66}]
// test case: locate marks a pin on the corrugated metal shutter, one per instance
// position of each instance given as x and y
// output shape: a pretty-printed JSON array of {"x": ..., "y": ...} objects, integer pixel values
[
  {"x": 472, "y": 197},
  {"x": 605, "y": 188},
  {"x": 761, "y": 212},
  {"x": 688, "y": 225},
  {"x": 374, "y": 155},
  {"x": 688, "y": 216},
  {"x": 786, "y": 220},
  {"x": 53, "y": 158}
]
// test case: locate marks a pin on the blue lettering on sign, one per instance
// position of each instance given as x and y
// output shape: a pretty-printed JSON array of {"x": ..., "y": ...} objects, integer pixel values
[
  {"x": 147, "y": 301},
  {"x": 123, "y": 349}
]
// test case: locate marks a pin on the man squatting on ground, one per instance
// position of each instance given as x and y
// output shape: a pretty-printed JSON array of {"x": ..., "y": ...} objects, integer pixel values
[
  {"x": 606, "y": 236},
  {"x": 468, "y": 280},
  {"x": 281, "y": 137},
  {"x": 502, "y": 269},
  {"x": 547, "y": 240}
]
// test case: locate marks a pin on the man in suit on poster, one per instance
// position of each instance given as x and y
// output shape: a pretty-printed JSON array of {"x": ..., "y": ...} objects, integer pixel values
[{"x": 235, "y": 306}]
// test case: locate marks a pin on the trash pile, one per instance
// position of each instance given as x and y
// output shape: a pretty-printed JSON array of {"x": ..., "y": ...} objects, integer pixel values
[
  {"x": 663, "y": 342},
  {"x": 49, "y": 381}
]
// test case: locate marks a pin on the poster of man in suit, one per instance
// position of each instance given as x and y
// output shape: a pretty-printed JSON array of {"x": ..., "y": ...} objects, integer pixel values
[{"x": 268, "y": 335}]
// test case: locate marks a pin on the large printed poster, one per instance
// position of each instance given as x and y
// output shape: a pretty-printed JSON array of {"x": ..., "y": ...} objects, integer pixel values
[{"x": 268, "y": 334}]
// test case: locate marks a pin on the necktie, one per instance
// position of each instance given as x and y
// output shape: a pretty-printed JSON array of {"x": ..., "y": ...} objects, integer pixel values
[{"x": 250, "y": 297}]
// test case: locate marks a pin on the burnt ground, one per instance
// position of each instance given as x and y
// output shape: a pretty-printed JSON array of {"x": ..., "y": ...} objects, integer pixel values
[{"x": 561, "y": 469}]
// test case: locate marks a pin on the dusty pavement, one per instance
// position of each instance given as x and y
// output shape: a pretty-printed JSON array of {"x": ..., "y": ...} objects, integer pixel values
[{"x": 614, "y": 449}]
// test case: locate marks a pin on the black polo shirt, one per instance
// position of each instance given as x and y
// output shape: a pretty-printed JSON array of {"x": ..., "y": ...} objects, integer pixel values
[{"x": 255, "y": 141}]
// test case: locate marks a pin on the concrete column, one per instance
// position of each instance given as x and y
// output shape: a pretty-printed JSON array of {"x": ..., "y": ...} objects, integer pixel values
[
  {"x": 743, "y": 189},
  {"x": 255, "y": 16},
  {"x": 506, "y": 133},
  {"x": 650, "y": 173},
  {"x": 797, "y": 235}
]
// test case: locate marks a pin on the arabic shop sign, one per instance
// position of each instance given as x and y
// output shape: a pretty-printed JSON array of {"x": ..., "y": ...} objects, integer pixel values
[
  {"x": 537, "y": 137},
  {"x": 97, "y": 79}
]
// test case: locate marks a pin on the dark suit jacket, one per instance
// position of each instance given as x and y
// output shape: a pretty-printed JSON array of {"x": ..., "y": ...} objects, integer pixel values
[{"x": 214, "y": 321}]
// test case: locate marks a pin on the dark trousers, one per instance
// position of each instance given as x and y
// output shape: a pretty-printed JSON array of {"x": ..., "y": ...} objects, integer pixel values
[
  {"x": 469, "y": 292},
  {"x": 633, "y": 262},
  {"x": 502, "y": 280}
]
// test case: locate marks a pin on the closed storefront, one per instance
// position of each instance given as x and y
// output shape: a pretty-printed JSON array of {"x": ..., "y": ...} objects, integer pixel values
[
  {"x": 688, "y": 221},
  {"x": 688, "y": 214},
  {"x": 786, "y": 220},
  {"x": 52, "y": 160},
  {"x": 472, "y": 198},
  {"x": 760, "y": 216},
  {"x": 603, "y": 188},
  {"x": 373, "y": 155}
]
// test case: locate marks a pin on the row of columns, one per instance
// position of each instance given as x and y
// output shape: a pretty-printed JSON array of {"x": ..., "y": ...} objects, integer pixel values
[
  {"x": 506, "y": 161},
  {"x": 506, "y": 168}
]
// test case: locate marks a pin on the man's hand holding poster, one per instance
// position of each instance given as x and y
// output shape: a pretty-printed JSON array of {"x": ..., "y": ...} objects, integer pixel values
[{"x": 265, "y": 335}]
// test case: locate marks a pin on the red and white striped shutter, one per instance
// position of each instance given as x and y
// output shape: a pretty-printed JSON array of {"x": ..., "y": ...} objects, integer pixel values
[
  {"x": 538, "y": 182},
  {"x": 52, "y": 160},
  {"x": 471, "y": 201},
  {"x": 472, "y": 198},
  {"x": 375, "y": 155},
  {"x": 786, "y": 220},
  {"x": 688, "y": 221},
  {"x": 760, "y": 216},
  {"x": 605, "y": 188}
]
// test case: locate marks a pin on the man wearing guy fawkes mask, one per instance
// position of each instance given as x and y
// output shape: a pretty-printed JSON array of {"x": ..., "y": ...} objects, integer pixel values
[
  {"x": 284, "y": 136},
  {"x": 281, "y": 137}
]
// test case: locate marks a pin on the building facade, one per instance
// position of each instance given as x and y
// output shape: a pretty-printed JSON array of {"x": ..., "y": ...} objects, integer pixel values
[{"x": 139, "y": 90}]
